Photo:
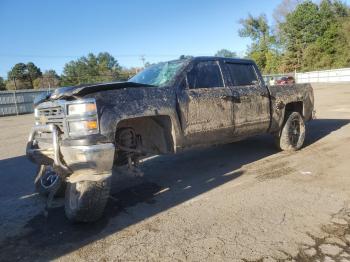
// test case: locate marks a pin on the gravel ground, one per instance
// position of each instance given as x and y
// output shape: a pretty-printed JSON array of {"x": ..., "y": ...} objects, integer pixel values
[{"x": 238, "y": 202}]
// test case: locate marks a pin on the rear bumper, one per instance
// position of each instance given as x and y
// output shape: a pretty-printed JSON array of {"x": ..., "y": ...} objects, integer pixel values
[{"x": 88, "y": 159}]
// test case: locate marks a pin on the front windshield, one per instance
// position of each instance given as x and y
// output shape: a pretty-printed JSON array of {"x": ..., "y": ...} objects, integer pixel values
[{"x": 160, "y": 74}]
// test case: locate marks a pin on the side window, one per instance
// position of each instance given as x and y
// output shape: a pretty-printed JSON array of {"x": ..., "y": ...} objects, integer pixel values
[
  {"x": 242, "y": 74},
  {"x": 205, "y": 75}
]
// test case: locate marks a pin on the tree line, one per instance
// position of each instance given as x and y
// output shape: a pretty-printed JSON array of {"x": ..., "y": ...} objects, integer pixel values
[
  {"x": 304, "y": 36},
  {"x": 92, "y": 68}
]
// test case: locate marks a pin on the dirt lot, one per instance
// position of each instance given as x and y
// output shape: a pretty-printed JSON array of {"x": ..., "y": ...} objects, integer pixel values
[{"x": 243, "y": 201}]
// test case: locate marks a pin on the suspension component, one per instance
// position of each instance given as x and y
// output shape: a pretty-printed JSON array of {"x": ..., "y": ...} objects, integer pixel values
[{"x": 128, "y": 146}]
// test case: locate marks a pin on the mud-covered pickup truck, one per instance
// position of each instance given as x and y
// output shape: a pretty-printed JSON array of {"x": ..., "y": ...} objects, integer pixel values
[{"x": 82, "y": 132}]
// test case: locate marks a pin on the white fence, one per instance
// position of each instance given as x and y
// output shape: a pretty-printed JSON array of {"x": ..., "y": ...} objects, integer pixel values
[{"x": 326, "y": 76}]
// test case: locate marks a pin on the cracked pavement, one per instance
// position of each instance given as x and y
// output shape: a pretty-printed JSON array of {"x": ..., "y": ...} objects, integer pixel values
[{"x": 244, "y": 201}]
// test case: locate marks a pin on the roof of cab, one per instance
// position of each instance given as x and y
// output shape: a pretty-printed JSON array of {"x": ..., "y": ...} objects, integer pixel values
[{"x": 224, "y": 59}]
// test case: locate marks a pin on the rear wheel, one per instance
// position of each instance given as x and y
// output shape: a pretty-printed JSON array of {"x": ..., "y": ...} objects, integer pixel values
[
  {"x": 292, "y": 135},
  {"x": 85, "y": 201}
]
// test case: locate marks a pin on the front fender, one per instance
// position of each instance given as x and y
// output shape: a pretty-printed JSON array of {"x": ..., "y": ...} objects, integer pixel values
[{"x": 115, "y": 106}]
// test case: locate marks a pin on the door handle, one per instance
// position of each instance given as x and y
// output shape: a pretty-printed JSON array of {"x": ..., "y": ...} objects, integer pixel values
[{"x": 226, "y": 97}]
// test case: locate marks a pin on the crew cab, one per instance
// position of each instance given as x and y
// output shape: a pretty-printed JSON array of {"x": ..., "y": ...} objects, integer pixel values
[{"x": 82, "y": 132}]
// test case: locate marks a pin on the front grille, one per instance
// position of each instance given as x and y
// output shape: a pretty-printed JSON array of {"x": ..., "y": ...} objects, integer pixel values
[{"x": 51, "y": 115}]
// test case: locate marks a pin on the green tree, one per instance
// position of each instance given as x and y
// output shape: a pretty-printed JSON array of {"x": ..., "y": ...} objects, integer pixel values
[
  {"x": 264, "y": 47},
  {"x": 33, "y": 72},
  {"x": 273, "y": 62},
  {"x": 307, "y": 36},
  {"x": 2, "y": 84},
  {"x": 18, "y": 71},
  {"x": 24, "y": 76},
  {"x": 313, "y": 36},
  {"x": 91, "y": 69},
  {"x": 300, "y": 29},
  {"x": 256, "y": 28},
  {"x": 226, "y": 53},
  {"x": 49, "y": 79}
]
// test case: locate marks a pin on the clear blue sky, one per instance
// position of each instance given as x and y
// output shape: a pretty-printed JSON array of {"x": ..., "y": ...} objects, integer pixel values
[{"x": 51, "y": 33}]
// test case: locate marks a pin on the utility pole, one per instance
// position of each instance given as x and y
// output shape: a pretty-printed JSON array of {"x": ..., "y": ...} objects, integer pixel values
[
  {"x": 143, "y": 60},
  {"x": 14, "y": 96}
]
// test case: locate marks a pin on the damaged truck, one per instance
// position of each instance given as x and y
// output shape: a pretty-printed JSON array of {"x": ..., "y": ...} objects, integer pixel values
[{"x": 82, "y": 132}]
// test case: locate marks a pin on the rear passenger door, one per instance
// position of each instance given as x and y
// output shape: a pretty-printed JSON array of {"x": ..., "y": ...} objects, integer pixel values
[
  {"x": 206, "y": 105},
  {"x": 251, "y": 107}
]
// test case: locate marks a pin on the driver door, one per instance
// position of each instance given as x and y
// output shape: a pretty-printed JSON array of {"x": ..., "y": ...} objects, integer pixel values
[{"x": 206, "y": 105}]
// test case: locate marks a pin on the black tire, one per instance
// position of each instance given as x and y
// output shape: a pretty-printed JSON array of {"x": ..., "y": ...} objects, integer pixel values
[
  {"x": 46, "y": 179},
  {"x": 292, "y": 135},
  {"x": 85, "y": 201}
]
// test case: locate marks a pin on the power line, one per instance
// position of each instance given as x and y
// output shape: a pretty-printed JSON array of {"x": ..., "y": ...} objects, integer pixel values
[
  {"x": 62, "y": 77},
  {"x": 114, "y": 76},
  {"x": 115, "y": 55}
]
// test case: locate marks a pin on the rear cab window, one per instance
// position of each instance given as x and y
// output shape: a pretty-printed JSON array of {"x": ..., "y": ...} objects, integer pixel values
[
  {"x": 242, "y": 74},
  {"x": 205, "y": 74}
]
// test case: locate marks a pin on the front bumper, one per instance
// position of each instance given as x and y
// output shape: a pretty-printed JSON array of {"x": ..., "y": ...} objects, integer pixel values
[{"x": 84, "y": 160}]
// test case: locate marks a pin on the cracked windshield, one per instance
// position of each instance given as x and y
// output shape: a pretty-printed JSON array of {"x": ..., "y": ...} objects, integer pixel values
[{"x": 158, "y": 75}]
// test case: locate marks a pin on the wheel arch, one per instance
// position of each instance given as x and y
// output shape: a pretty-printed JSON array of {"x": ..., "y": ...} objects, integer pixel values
[
  {"x": 281, "y": 112},
  {"x": 297, "y": 106},
  {"x": 156, "y": 132}
]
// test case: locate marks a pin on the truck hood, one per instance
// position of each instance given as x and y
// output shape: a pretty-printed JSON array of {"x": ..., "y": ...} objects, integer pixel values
[{"x": 81, "y": 90}]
